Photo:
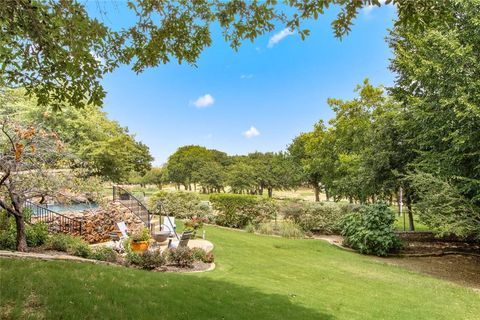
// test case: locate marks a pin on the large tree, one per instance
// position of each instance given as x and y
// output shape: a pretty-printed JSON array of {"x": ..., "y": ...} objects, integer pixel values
[
  {"x": 59, "y": 53},
  {"x": 438, "y": 85},
  {"x": 99, "y": 144},
  {"x": 29, "y": 156}
]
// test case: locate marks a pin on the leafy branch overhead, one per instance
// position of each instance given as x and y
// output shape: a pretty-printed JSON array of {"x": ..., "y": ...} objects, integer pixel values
[{"x": 59, "y": 53}]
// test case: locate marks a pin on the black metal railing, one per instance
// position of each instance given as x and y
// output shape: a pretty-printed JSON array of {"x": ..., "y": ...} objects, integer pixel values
[
  {"x": 133, "y": 204},
  {"x": 56, "y": 222}
]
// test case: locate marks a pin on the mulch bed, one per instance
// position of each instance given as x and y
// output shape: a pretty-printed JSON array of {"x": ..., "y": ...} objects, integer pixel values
[
  {"x": 440, "y": 247},
  {"x": 461, "y": 269}
]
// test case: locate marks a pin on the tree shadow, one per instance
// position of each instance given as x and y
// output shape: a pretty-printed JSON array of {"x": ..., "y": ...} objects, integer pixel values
[{"x": 80, "y": 291}]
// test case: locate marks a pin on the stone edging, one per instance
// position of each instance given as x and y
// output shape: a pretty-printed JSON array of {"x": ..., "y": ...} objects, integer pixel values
[
  {"x": 43, "y": 256},
  {"x": 407, "y": 255},
  {"x": 64, "y": 257}
]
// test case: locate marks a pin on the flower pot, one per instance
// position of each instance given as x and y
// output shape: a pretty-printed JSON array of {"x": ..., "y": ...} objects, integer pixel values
[{"x": 139, "y": 246}]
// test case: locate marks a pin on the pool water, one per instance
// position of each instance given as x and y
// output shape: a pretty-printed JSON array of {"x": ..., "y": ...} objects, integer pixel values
[{"x": 73, "y": 207}]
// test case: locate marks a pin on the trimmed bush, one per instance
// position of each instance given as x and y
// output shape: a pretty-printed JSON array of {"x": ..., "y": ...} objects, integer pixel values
[
  {"x": 104, "y": 254},
  {"x": 237, "y": 211},
  {"x": 370, "y": 230},
  {"x": 320, "y": 217},
  {"x": 181, "y": 256},
  {"x": 179, "y": 204},
  {"x": 147, "y": 260}
]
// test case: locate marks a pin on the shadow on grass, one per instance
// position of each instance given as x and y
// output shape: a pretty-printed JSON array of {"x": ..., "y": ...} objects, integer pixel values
[{"x": 79, "y": 291}]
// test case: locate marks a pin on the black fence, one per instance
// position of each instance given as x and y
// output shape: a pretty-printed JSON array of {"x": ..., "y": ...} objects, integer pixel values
[{"x": 56, "y": 222}]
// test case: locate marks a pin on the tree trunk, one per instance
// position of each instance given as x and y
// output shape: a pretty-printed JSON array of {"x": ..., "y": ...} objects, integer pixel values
[
  {"x": 270, "y": 192},
  {"x": 21, "y": 238},
  {"x": 316, "y": 188},
  {"x": 410, "y": 213},
  {"x": 327, "y": 194}
]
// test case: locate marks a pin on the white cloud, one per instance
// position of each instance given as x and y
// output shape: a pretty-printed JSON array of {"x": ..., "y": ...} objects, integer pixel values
[
  {"x": 368, "y": 9},
  {"x": 204, "y": 101},
  {"x": 252, "y": 132},
  {"x": 208, "y": 136},
  {"x": 246, "y": 76},
  {"x": 279, "y": 36}
]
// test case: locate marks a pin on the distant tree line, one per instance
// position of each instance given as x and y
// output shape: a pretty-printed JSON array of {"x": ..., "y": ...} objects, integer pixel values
[{"x": 210, "y": 171}]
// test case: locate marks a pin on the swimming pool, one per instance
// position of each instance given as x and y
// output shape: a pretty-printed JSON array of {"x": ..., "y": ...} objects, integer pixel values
[{"x": 72, "y": 207}]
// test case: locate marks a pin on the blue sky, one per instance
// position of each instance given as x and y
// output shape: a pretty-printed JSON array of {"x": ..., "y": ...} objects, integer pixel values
[{"x": 256, "y": 99}]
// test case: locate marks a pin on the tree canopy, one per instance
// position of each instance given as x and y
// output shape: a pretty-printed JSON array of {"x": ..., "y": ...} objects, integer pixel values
[
  {"x": 99, "y": 144},
  {"x": 59, "y": 53}
]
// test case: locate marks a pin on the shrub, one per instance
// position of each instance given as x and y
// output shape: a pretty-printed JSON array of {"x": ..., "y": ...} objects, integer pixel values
[
  {"x": 181, "y": 256},
  {"x": 370, "y": 230},
  {"x": 194, "y": 224},
  {"x": 59, "y": 242},
  {"x": 104, "y": 254},
  {"x": 80, "y": 248},
  {"x": 266, "y": 228},
  {"x": 132, "y": 258},
  {"x": 150, "y": 260},
  {"x": 237, "y": 211},
  {"x": 198, "y": 254},
  {"x": 289, "y": 229},
  {"x": 179, "y": 204},
  {"x": 318, "y": 217},
  {"x": 209, "y": 258},
  {"x": 293, "y": 210},
  {"x": 72, "y": 245},
  {"x": 36, "y": 234},
  {"x": 250, "y": 228}
]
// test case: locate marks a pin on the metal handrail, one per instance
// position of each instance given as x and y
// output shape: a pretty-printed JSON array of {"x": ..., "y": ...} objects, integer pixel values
[
  {"x": 138, "y": 202},
  {"x": 142, "y": 206},
  {"x": 47, "y": 216}
]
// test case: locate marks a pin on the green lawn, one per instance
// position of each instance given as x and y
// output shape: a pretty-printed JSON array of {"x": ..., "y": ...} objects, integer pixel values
[
  {"x": 416, "y": 223},
  {"x": 257, "y": 277}
]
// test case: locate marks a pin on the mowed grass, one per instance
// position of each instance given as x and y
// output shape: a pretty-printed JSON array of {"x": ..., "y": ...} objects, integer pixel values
[{"x": 257, "y": 277}]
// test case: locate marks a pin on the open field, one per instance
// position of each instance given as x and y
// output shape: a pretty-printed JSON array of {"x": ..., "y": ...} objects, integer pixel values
[{"x": 257, "y": 277}]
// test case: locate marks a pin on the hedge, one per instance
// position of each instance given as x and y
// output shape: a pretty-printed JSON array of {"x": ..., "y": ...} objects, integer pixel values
[{"x": 237, "y": 211}]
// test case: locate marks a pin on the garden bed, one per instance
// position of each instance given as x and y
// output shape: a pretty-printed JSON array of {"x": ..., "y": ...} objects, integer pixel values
[{"x": 197, "y": 266}]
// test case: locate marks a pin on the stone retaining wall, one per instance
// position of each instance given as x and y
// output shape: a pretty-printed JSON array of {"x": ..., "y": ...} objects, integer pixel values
[{"x": 98, "y": 223}]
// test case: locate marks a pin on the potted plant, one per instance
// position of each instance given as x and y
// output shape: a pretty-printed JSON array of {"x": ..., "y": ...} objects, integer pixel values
[
  {"x": 194, "y": 224},
  {"x": 140, "y": 240}
]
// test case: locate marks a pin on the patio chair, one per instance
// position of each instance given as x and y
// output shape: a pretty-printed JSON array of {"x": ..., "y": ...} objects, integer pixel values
[
  {"x": 186, "y": 235},
  {"x": 122, "y": 227},
  {"x": 168, "y": 224}
]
